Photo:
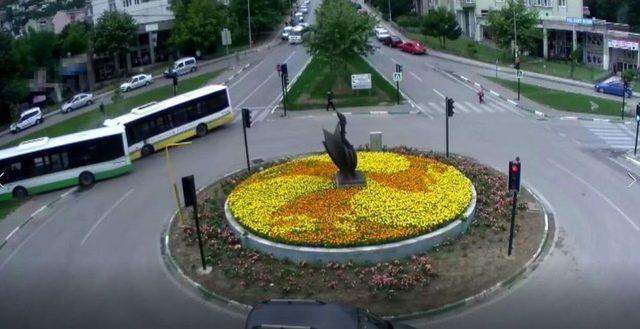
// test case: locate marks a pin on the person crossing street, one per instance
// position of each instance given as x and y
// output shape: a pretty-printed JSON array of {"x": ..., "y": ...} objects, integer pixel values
[{"x": 330, "y": 100}]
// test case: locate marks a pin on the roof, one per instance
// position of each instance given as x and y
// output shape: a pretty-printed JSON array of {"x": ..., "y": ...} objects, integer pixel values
[
  {"x": 304, "y": 313},
  {"x": 155, "y": 107},
  {"x": 46, "y": 142}
]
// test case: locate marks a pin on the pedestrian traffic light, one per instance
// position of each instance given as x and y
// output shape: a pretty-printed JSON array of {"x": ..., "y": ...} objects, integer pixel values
[
  {"x": 638, "y": 112},
  {"x": 285, "y": 69},
  {"x": 286, "y": 79},
  {"x": 246, "y": 118},
  {"x": 398, "y": 68},
  {"x": 450, "y": 107},
  {"x": 517, "y": 64},
  {"x": 514, "y": 175}
]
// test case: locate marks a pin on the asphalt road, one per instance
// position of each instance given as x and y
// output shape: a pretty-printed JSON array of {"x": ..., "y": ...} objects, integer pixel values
[{"x": 93, "y": 260}]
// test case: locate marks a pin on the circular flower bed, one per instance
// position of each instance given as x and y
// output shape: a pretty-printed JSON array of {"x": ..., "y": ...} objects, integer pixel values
[{"x": 298, "y": 203}]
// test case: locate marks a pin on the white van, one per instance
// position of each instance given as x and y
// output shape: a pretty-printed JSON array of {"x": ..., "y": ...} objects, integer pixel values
[
  {"x": 286, "y": 32},
  {"x": 295, "y": 36},
  {"x": 28, "y": 118},
  {"x": 182, "y": 66}
]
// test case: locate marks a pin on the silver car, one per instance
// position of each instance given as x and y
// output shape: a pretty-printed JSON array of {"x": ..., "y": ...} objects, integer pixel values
[
  {"x": 137, "y": 81},
  {"x": 77, "y": 102}
]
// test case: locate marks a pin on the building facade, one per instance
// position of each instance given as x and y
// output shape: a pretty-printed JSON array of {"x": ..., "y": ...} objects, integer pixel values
[{"x": 63, "y": 18}]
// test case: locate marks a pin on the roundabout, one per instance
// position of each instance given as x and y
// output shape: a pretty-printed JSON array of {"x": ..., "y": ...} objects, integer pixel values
[{"x": 277, "y": 232}]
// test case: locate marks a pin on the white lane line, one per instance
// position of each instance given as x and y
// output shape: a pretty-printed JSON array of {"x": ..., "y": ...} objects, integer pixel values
[
  {"x": 256, "y": 90},
  {"x": 436, "y": 108},
  {"x": 245, "y": 75},
  {"x": 473, "y": 107},
  {"x": 512, "y": 102},
  {"x": 509, "y": 108},
  {"x": 394, "y": 60},
  {"x": 439, "y": 93},
  {"x": 415, "y": 76},
  {"x": 596, "y": 191},
  {"x": 12, "y": 233},
  {"x": 494, "y": 93},
  {"x": 461, "y": 107},
  {"x": 68, "y": 192},
  {"x": 631, "y": 133},
  {"x": 105, "y": 216},
  {"x": 424, "y": 110},
  {"x": 41, "y": 209}
]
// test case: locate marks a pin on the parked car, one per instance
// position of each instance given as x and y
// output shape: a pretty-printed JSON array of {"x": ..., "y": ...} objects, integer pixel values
[
  {"x": 28, "y": 118},
  {"x": 295, "y": 36},
  {"x": 382, "y": 34},
  {"x": 299, "y": 17},
  {"x": 182, "y": 66},
  {"x": 379, "y": 28},
  {"x": 77, "y": 102},
  {"x": 137, "y": 81},
  {"x": 296, "y": 313},
  {"x": 304, "y": 9},
  {"x": 613, "y": 87},
  {"x": 392, "y": 41},
  {"x": 285, "y": 32},
  {"x": 413, "y": 47}
]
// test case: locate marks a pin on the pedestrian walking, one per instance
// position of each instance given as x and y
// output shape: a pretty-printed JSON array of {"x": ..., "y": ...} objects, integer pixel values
[
  {"x": 330, "y": 100},
  {"x": 481, "y": 95},
  {"x": 101, "y": 108}
]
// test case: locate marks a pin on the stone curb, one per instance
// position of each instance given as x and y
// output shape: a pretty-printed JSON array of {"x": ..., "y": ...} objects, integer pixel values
[
  {"x": 35, "y": 213},
  {"x": 532, "y": 264}
]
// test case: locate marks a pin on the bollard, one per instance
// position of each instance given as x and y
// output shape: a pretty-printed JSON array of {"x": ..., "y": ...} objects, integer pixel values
[{"x": 375, "y": 140}]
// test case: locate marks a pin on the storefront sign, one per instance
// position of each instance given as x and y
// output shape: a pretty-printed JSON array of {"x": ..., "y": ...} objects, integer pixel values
[
  {"x": 623, "y": 44},
  {"x": 580, "y": 21}
]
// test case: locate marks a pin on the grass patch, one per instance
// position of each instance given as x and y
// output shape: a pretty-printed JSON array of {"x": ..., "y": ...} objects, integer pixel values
[
  {"x": 310, "y": 90},
  {"x": 94, "y": 119},
  {"x": 561, "y": 100},
  {"x": 6, "y": 207},
  {"x": 488, "y": 54}
]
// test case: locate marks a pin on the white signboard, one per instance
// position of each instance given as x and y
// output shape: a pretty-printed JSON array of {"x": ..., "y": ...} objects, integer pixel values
[
  {"x": 226, "y": 37},
  {"x": 623, "y": 44},
  {"x": 360, "y": 81},
  {"x": 580, "y": 21},
  {"x": 397, "y": 76},
  {"x": 519, "y": 74}
]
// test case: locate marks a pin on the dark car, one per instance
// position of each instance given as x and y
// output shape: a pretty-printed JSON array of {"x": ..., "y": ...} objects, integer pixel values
[
  {"x": 297, "y": 313},
  {"x": 392, "y": 41}
]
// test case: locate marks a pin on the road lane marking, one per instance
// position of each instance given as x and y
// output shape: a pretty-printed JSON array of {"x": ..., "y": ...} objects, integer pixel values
[
  {"x": 1, "y": 186},
  {"x": 439, "y": 93},
  {"x": 263, "y": 82},
  {"x": 634, "y": 179},
  {"x": 596, "y": 191},
  {"x": 415, "y": 76},
  {"x": 436, "y": 108},
  {"x": 41, "y": 209},
  {"x": 462, "y": 108},
  {"x": 12, "y": 233},
  {"x": 105, "y": 216}
]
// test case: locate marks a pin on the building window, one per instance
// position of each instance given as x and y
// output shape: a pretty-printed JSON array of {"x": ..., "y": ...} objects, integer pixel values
[
  {"x": 112, "y": 5},
  {"x": 562, "y": 3}
]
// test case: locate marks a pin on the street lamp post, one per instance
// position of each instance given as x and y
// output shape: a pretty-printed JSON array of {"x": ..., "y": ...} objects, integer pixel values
[
  {"x": 249, "y": 21},
  {"x": 389, "y": 4}
]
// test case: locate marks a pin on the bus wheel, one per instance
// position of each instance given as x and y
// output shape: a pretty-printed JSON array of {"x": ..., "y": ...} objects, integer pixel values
[
  {"x": 86, "y": 179},
  {"x": 201, "y": 130},
  {"x": 20, "y": 192},
  {"x": 146, "y": 151}
]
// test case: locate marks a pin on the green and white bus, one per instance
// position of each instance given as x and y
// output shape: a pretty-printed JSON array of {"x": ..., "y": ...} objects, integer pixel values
[
  {"x": 155, "y": 125},
  {"x": 46, "y": 164}
]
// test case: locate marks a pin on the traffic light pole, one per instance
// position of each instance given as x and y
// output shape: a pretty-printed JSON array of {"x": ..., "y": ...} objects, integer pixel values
[
  {"x": 635, "y": 148},
  {"x": 513, "y": 220},
  {"x": 518, "y": 89},
  {"x": 446, "y": 115},
  {"x": 398, "y": 92},
  {"x": 623, "y": 98},
  {"x": 246, "y": 145},
  {"x": 284, "y": 93}
]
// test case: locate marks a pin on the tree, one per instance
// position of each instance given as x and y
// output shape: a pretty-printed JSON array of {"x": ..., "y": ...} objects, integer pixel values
[
  {"x": 197, "y": 25},
  {"x": 339, "y": 33},
  {"x": 75, "y": 39},
  {"x": 13, "y": 87},
  {"x": 442, "y": 24},
  {"x": 501, "y": 25},
  {"x": 265, "y": 14},
  {"x": 575, "y": 57},
  {"x": 114, "y": 34},
  {"x": 37, "y": 50},
  {"x": 398, "y": 7}
]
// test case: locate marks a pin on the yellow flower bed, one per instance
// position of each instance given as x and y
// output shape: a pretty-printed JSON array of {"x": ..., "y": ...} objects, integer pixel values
[{"x": 297, "y": 202}]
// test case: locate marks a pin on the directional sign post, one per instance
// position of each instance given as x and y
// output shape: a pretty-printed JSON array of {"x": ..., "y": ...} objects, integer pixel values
[
  {"x": 519, "y": 75},
  {"x": 397, "y": 77},
  {"x": 226, "y": 38}
]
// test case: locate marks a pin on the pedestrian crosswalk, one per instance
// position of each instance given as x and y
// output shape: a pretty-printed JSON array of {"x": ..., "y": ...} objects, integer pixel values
[
  {"x": 616, "y": 136},
  {"x": 488, "y": 107}
]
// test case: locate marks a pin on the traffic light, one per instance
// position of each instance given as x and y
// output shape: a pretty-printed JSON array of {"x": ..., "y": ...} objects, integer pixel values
[
  {"x": 638, "y": 112},
  {"x": 279, "y": 68},
  {"x": 284, "y": 69},
  {"x": 286, "y": 79},
  {"x": 246, "y": 118},
  {"x": 518, "y": 64},
  {"x": 514, "y": 176},
  {"x": 398, "y": 68},
  {"x": 450, "y": 107}
]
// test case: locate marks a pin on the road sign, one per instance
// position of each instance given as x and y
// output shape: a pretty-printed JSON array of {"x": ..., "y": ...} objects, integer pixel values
[
  {"x": 397, "y": 76},
  {"x": 226, "y": 37},
  {"x": 360, "y": 81},
  {"x": 519, "y": 74}
]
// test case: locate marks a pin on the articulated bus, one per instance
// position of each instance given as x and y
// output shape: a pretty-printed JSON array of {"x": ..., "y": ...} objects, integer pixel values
[
  {"x": 45, "y": 164},
  {"x": 155, "y": 125}
]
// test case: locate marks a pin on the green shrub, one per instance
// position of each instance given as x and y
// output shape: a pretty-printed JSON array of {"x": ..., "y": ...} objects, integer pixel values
[{"x": 408, "y": 21}]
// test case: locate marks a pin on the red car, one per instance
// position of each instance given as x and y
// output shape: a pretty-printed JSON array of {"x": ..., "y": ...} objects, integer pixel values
[{"x": 413, "y": 47}]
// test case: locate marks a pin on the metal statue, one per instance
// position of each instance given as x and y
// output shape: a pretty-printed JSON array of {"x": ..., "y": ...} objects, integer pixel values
[{"x": 343, "y": 155}]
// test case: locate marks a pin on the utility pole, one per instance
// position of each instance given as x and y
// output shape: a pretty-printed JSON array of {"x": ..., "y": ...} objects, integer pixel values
[
  {"x": 389, "y": 3},
  {"x": 635, "y": 148},
  {"x": 448, "y": 113},
  {"x": 515, "y": 30},
  {"x": 625, "y": 85},
  {"x": 249, "y": 20}
]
